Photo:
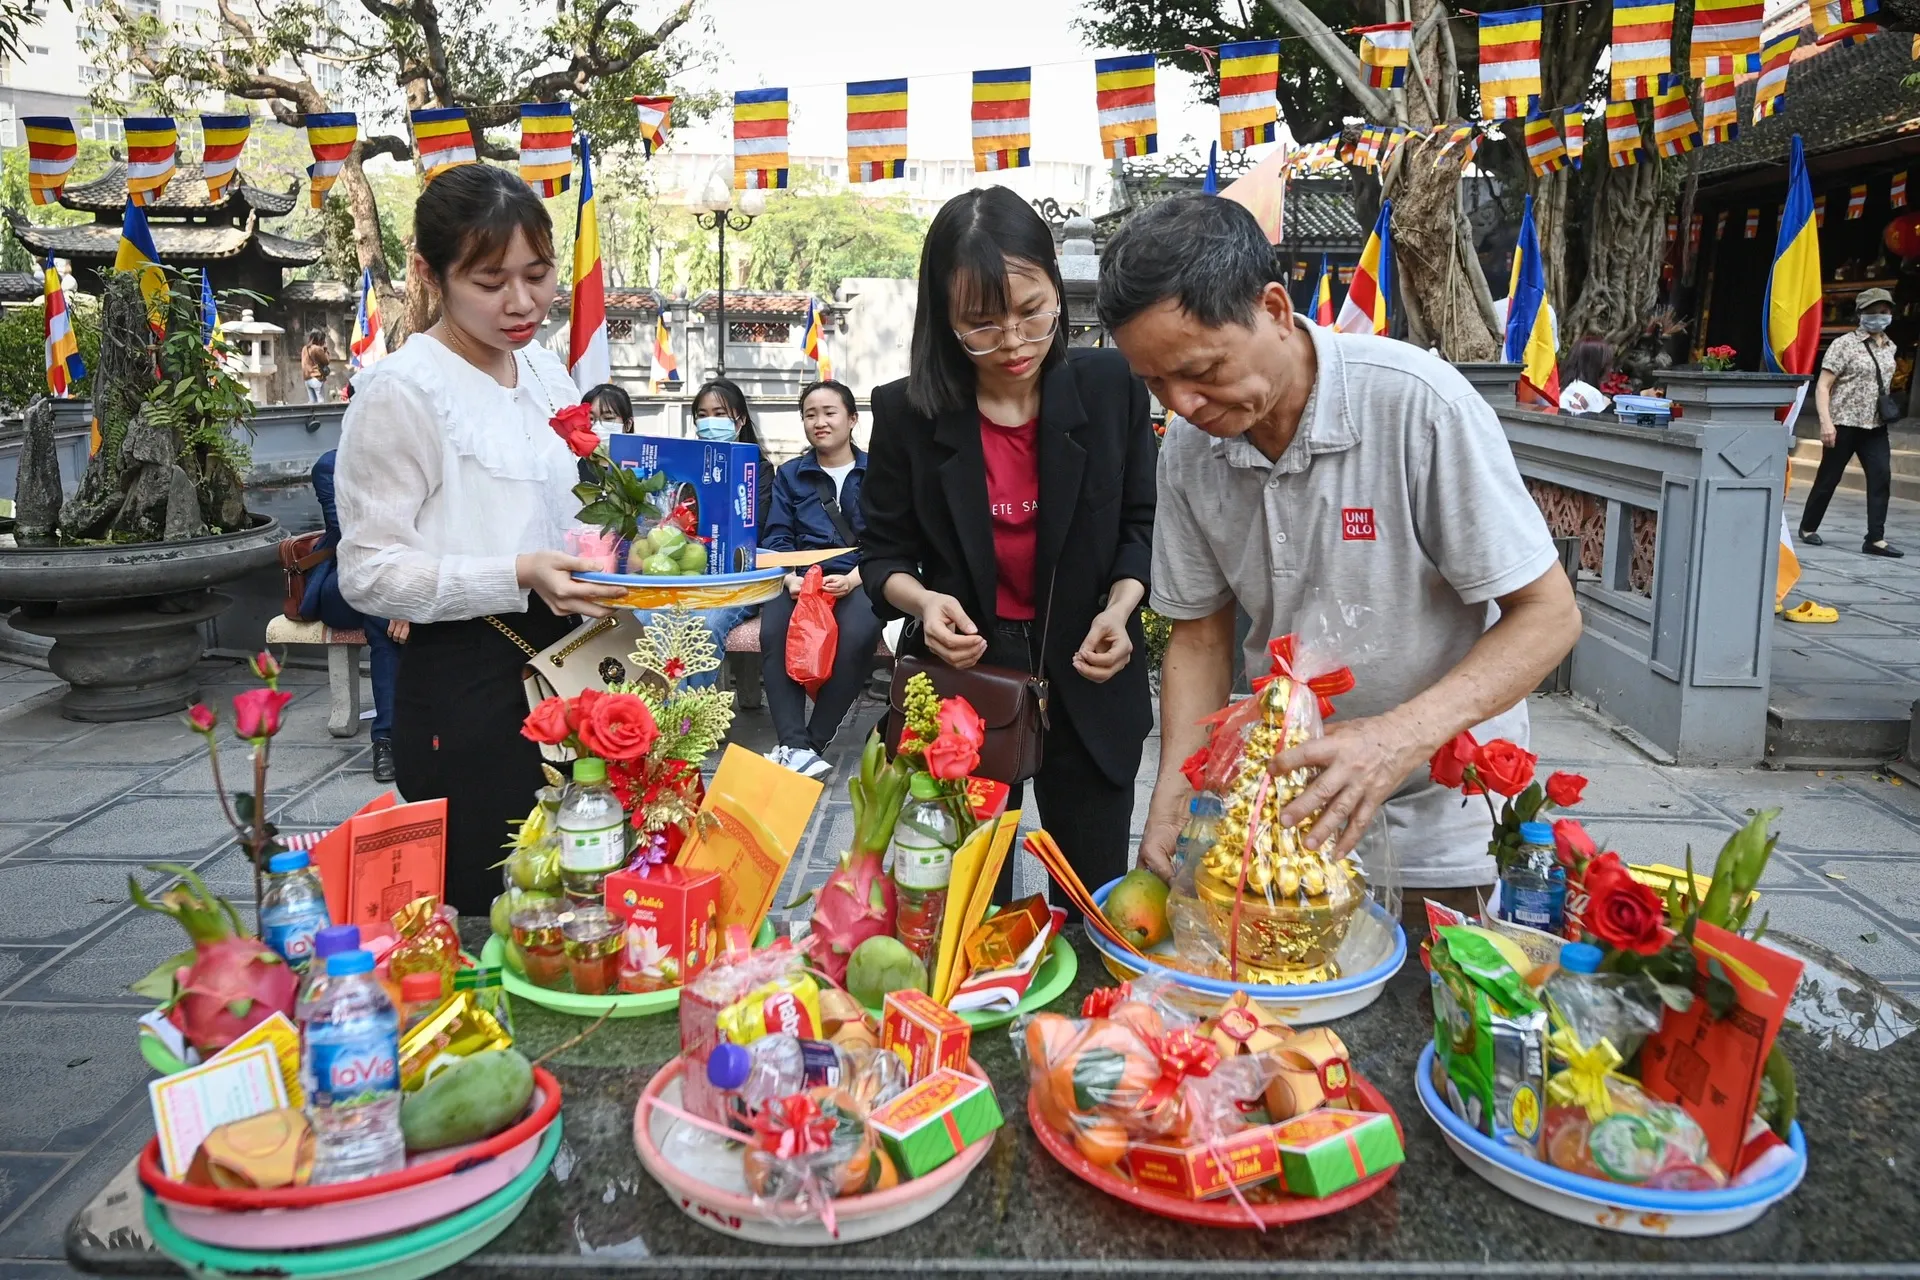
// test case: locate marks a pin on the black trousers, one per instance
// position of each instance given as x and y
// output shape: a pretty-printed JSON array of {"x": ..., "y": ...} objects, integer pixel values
[
  {"x": 1876, "y": 459},
  {"x": 852, "y": 662},
  {"x": 1088, "y": 815},
  {"x": 456, "y": 734}
]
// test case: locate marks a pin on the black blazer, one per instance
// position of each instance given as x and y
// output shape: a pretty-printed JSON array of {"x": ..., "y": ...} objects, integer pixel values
[{"x": 925, "y": 500}]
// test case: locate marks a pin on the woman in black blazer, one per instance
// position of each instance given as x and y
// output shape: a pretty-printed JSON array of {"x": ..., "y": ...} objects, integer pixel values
[{"x": 1006, "y": 472}]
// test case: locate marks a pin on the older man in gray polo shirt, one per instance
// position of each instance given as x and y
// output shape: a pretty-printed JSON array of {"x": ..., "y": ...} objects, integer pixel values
[{"x": 1305, "y": 458}]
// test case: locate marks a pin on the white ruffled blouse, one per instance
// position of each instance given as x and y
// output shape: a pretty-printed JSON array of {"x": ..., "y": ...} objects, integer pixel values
[{"x": 444, "y": 477}]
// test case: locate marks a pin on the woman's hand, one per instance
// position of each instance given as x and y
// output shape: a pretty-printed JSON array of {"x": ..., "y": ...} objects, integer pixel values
[
  {"x": 950, "y": 632},
  {"x": 398, "y": 629},
  {"x": 794, "y": 583},
  {"x": 550, "y": 574},
  {"x": 1828, "y": 436},
  {"x": 840, "y": 584},
  {"x": 1107, "y": 648}
]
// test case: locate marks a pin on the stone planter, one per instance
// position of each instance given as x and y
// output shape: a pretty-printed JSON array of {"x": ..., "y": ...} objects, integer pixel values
[
  {"x": 1494, "y": 380},
  {"x": 125, "y": 620},
  {"x": 1728, "y": 397}
]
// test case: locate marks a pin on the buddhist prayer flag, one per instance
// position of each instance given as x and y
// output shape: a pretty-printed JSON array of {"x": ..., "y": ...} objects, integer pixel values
[
  {"x": 1726, "y": 37},
  {"x": 369, "y": 341},
  {"x": 1897, "y": 193},
  {"x": 1530, "y": 330},
  {"x": 760, "y": 140},
  {"x": 136, "y": 253},
  {"x": 1459, "y": 134},
  {"x": 1719, "y": 110},
  {"x": 1624, "y": 139},
  {"x": 1249, "y": 76},
  {"x": 1694, "y": 228},
  {"x": 153, "y": 146},
  {"x": 1839, "y": 21},
  {"x": 1720, "y": 227},
  {"x": 876, "y": 130},
  {"x": 330, "y": 136},
  {"x": 52, "y": 147},
  {"x": 442, "y": 139},
  {"x": 653, "y": 113},
  {"x": 1469, "y": 151},
  {"x": 811, "y": 341},
  {"x": 1509, "y": 63},
  {"x": 587, "y": 357},
  {"x": 546, "y": 146},
  {"x": 209, "y": 312},
  {"x": 1792, "y": 310},
  {"x": 225, "y": 138},
  {"x": 1642, "y": 47},
  {"x": 1674, "y": 130},
  {"x": 1857, "y": 202},
  {"x": 1002, "y": 119},
  {"x": 1573, "y": 129},
  {"x": 1385, "y": 51},
  {"x": 1546, "y": 153},
  {"x": 1753, "y": 224},
  {"x": 1770, "y": 91},
  {"x": 1367, "y": 308},
  {"x": 64, "y": 366},
  {"x": 1323, "y": 295},
  {"x": 1123, "y": 96},
  {"x": 666, "y": 370}
]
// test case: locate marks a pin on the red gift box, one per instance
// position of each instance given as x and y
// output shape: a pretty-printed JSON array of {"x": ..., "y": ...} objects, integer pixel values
[{"x": 682, "y": 908}]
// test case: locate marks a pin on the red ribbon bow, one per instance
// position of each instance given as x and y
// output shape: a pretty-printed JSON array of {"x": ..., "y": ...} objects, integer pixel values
[
  {"x": 1101, "y": 1003},
  {"x": 1326, "y": 687},
  {"x": 792, "y": 1126},
  {"x": 1182, "y": 1054}
]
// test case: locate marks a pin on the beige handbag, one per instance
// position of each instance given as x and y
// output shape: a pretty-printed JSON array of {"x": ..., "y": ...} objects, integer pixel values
[{"x": 593, "y": 655}]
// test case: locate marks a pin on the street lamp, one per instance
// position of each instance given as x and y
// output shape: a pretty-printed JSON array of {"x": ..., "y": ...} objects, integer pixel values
[{"x": 714, "y": 210}]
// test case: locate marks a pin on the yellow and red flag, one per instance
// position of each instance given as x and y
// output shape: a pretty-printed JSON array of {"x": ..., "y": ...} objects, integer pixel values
[
  {"x": 811, "y": 342},
  {"x": 1002, "y": 119},
  {"x": 1625, "y": 142},
  {"x": 760, "y": 140},
  {"x": 1249, "y": 78},
  {"x": 330, "y": 136},
  {"x": 1123, "y": 96},
  {"x": 442, "y": 138},
  {"x": 1839, "y": 21},
  {"x": 1642, "y": 49},
  {"x": 1510, "y": 63},
  {"x": 1573, "y": 128},
  {"x": 153, "y": 148},
  {"x": 1323, "y": 295},
  {"x": 588, "y": 358},
  {"x": 64, "y": 366},
  {"x": 1546, "y": 153},
  {"x": 1719, "y": 110},
  {"x": 546, "y": 146},
  {"x": 1770, "y": 91},
  {"x": 1791, "y": 313},
  {"x": 1674, "y": 130},
  {"x": 1385, "y": 51},
  {"x": 1897, "y": 193},
  {"x": 654, "y": 112},
  {"x": 1530, "y": 328},
  {"x": 1857, "y": 202},
  {"x": 52, "y": 148},
  {"x": 666, "y": 369},
  {"x": 1367, "y": 307},
  {"x": 1726, "y": 37},
  {"x": 225, "y": 137},
  {"x": 876, "y": 130}
]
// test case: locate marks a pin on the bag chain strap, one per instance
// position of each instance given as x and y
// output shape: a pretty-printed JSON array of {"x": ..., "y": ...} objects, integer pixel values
[{"x": 510, "y": 634}]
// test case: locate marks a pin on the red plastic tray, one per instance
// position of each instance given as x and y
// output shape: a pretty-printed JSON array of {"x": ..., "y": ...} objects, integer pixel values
[
  {"x": 1224, "y": 1212},
  {"x": 546, "y": 1107}
]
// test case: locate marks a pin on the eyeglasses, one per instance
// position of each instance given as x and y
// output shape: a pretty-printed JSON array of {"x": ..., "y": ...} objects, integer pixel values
[{"x": 989, "y": 338}]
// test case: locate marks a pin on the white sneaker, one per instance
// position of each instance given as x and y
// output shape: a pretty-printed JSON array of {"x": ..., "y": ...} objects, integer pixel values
[
  {"x": 805, "y": 762},
  {"x": 782, "y": 756}
]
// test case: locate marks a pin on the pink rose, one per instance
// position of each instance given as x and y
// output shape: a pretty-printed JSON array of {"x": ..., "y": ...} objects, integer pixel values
[
  {"x": 256, "y": 713},
  {"x": 958, "y": 717},
  {"x": 264, "y": 666},
  {"x": 200, "y": 718},
  {"x": 951, "y": 757}
]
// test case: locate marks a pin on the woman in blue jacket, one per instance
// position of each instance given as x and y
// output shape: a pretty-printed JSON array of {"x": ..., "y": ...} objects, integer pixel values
[{"x": 816, "y": 505}]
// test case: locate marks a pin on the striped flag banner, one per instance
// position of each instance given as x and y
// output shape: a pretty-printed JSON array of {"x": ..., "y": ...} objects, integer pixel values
[
  {"x": 1510, "y": 63},
  {"x": 1726, "y": 37},
  {"x": 330, "y": 136},
  {"x": 1625, "y": 143},
  {"x": 52, "y": 147},
  {"x": 1673, "y": 228},
  {"x": 760, "y": 140},
  {"x": 1642, "y": 47},
  {"x": 1249, "y": 77},
  {"x": 1470, "y": 150},
  {"x": 1002, "y": 119},
  {"x": 1753, "y": 225},
  {"x": 1674, "y": 130},
  {"x": 1694, "y": 228},
  {"x": 1770, "y": 91},
  {"x": 1897, "y": 193},
  {"x": 1345, "y": 274},
  {"x": 1457, "y": 135},
  {"x": 1839, "y": 21},
  {"x": 64, "y": 365},
  {"x": 153, "y": 148},
  {"x": 1399, "y": 138},
  {"x": 442, "y": 138},
  {"x": 1719, "y": 110},
  {"x": 546, "y": 146},
  {"x": 1573, "y": 128},
  {"x": 1546, "y": 153},
  {"x": 876, "y": 130},
  {"x": 1385, "y": 51},
  {"x": 226, "y": 138},
  {"x": 1123, "y": 96},
  {"x": 653, "y": 113},
  {"x": 1857, "y": 202}
]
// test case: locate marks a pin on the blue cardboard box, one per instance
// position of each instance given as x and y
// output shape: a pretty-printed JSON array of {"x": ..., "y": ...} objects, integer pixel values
[{"x": 721, "y": 482}]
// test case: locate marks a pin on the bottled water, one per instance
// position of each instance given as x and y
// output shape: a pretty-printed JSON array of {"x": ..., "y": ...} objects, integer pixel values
[
  {"x": 1533, "y": 888},
  {"x": 350, "y": 1068},
  {"x": 330, "y": 941},
  {"x": 293, "y": 908},
  {"x": 924, "y": 839},
  {"x": 593, "y": 832},
  {"x": 756, "y": 1073},
  {"x": 1203, "y": 815}
]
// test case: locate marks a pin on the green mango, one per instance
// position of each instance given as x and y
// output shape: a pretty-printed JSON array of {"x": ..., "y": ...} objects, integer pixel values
[{"x": 475, "y": 1098}]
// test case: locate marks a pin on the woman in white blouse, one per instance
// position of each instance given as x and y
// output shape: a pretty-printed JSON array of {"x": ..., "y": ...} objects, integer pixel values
[{"x": 454, "y": 492}]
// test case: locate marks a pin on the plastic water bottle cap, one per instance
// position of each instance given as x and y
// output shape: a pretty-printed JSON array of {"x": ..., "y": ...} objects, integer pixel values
[
  {"x": 589, "y": 771},
  {"x": 926, "y": 787},
  {"x": 345, "y": 964},
  {"x": 418, "y": 988},
  {"x": 336, "y": 938},
  {"x": 1581, "y": 957},
  {"x": 281, "y": 863},
  {"x": 727, "y": 1066},
  {"x": 1536, "y": 833}
]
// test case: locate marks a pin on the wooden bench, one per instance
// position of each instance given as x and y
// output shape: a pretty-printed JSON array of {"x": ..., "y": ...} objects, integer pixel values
[
  {"x": 343, "y": 667},
  {"x": 743, "y": 661}
]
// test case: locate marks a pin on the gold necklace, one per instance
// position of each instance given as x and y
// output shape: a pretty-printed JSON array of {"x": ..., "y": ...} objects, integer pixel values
[{"x": 459, "y": 348}]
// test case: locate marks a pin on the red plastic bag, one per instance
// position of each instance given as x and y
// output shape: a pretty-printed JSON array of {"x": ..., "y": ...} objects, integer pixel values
[{"x": 813, "y": 636}]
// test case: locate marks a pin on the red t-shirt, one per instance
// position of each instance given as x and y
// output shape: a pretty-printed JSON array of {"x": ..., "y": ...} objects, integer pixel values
[{"x": 1013, "y": 497}]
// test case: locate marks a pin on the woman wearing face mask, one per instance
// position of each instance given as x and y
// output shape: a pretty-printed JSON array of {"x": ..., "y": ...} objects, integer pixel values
[
  {"x": 1009, "y": 509},
  {"x": 453, "y": 493},
  {"x": 1855, "y": 377},
  {"x": 612, "y": 409}
]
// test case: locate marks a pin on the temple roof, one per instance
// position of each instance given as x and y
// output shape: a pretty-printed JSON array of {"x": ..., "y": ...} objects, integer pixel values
[
  {"x": 317, "y": 291},
  {"x": 22, "y": 286},
  {"x": 1319, "y": 214},
  {"x": 185, "y": 194},
  {"x": 178, "y": 244},
  {"x": 750, "y": 302}
]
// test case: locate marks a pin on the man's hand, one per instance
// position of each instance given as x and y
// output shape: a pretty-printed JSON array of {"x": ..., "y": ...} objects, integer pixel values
[
  {"x": 1361, "y": 763},
  {"x": 1157, "y": 843},
  {"x": 1105, "y": 651}
]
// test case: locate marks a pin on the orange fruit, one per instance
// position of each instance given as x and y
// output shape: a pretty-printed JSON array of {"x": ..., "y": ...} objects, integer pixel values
[
  {"x": 1141, "y": 1018},
  {"x": 1103, "y": 1144}
]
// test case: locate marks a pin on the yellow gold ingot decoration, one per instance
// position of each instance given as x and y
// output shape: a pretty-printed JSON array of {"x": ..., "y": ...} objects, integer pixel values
[{"x": 1298, "y": 901}]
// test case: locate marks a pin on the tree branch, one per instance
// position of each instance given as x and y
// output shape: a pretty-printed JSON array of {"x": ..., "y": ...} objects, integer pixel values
[
  {"x": 386, "y": 144},
  {"x": 1334, "y": 52}
]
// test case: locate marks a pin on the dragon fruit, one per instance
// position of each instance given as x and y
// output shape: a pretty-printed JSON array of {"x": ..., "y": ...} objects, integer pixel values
[
  {"x": 857, "y": 901},
  {"x": 229, "y": 982}
]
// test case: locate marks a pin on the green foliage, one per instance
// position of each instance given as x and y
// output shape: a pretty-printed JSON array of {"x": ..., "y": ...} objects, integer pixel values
[
  {"x": 1159, "y": 632},
  {"x": 197, "y": 399},
  {"x": 23, "y": 350}
]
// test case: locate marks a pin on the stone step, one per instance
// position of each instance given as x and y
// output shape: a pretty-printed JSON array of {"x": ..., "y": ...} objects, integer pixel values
[
  {"x": 1806, "y": 731},
  {"x": 1906, "y": 469}
]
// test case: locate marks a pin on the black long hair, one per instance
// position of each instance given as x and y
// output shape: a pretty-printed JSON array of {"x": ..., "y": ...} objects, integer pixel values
[
  {"x": 969, "y": 242},
  {"x": 737, "y": 408}
]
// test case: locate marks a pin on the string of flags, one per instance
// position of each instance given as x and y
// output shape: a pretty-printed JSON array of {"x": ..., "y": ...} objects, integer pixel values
[{"x": 330, "y": 137}]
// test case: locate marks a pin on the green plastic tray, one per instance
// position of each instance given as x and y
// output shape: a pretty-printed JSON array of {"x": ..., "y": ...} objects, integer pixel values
[
  {"x": 1056, "y": 973},
  {"x": 636, "y": 1005},
  {"x": 412, "y": 1255}
]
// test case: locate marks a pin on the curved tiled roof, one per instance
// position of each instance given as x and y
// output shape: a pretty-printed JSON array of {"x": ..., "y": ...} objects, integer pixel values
[
  {"x": 186, "y": 193},
  {"x": 178, "y": 244},
  {"x": 1840, "y": 98},
  {"x": 22, "y": 286},
  {"x": 750, "y": 302},
  {"x": 1319, "y": 214}
]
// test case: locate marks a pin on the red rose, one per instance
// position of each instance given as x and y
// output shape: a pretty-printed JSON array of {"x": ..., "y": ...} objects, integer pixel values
[
  {"x": 1449, "y": 764},
  {"x": 951, "y": 757},
  {"x": 1564, "y": 789},
  {"x": 256, "y": 713},
  {"x": 547, "y": 723},
  {"x": 1622, "y": 912},
  {"x": 618, "y": 727},
  {"x": 200, "y": 718},
  {"x": 958, "y": 717},
  {"x": 1504, "y": 768},
  {"x": 1572, "y": 843},
  {"x": 581, "y": 706},
  {"x": 574, "y": 424}
]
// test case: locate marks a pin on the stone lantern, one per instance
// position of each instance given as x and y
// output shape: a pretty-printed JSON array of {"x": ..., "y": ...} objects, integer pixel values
[
  {"x": 255, "y": 359},
  {"x": 1080, "y": 273}
]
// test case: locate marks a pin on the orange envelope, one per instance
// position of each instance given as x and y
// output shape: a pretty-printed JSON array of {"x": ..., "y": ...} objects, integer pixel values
[
  {"x": 382, "y": 858},
  {"x": 749, "y": 826}
]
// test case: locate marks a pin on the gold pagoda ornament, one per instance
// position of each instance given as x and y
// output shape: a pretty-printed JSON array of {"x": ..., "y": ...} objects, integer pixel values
[{"x": 1280, "y": 908}]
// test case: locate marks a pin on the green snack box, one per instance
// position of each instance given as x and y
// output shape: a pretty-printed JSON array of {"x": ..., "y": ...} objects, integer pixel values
[
  {"x": 1328, "y": 1150},
  {"x": 1489, "y": 1040},
  {"x": 936, "y": 1120}
]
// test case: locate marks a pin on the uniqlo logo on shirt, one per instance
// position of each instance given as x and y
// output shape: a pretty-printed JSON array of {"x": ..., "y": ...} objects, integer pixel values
[{"x": 1356, "y": 524}]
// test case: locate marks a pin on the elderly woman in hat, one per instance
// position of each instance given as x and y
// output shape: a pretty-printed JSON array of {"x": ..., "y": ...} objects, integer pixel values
[{"x": 1855, "y": 403}]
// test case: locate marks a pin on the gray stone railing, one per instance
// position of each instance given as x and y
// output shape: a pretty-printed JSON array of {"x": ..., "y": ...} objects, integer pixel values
[{"x": 1680, "y": 528}]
